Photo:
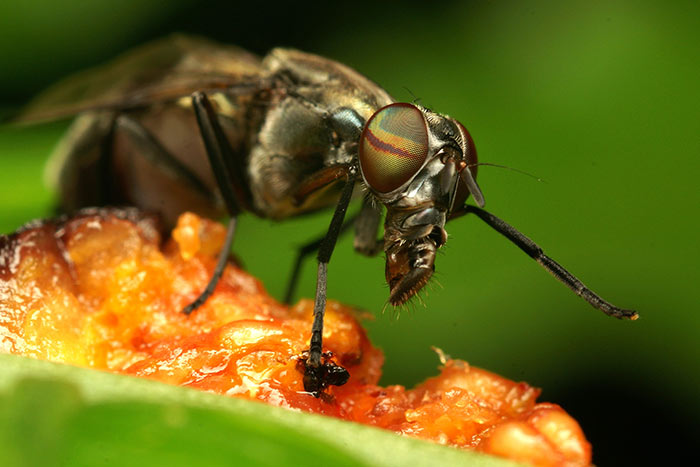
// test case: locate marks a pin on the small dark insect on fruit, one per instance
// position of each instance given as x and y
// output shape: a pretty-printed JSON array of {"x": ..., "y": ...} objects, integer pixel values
[{"x": 187, "y": 124}]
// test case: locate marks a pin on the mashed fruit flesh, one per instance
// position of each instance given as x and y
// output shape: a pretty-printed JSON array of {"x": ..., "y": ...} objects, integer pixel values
[{"x": 101, "y": 290}]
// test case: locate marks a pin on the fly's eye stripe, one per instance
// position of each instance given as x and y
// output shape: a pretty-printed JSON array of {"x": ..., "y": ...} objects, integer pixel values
[{"x": 393, "y": 147}]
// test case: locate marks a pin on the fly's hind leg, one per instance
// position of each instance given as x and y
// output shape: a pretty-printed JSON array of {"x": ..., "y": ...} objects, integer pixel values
[
  {"x": 229, "y": 179},
  {"x": 152, "y": 150},
  {"x": 108, "y": 158},
  {"x": 145, "y": 173}
]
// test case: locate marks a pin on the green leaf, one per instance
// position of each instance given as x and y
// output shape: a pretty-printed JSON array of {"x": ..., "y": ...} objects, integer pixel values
[{"x": 53, "y": 414}]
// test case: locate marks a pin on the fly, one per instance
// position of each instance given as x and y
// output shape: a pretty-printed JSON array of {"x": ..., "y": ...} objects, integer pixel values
[{"x": 187, "y": 124}]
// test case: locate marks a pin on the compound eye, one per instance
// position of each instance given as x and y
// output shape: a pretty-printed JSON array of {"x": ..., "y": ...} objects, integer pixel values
[
  {"x": 393, "y": 146},
  {"x": 468, "y": 174},
  {"x": 469, "y": 149}
]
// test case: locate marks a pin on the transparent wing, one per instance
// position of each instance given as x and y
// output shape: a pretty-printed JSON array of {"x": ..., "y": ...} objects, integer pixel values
[{"x": 165, "y": 69}]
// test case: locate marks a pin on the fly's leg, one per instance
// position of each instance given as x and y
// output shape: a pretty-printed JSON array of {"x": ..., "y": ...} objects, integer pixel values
[
  {"x": 228, "y": 178},
  {"x": 82, "y": 167},
  {"x": 303, "y": 253},
  {"x": 366, "y": 225},
  {"x": 151, "y": 149},
  {"x": 316, "y": 181},
  {"x": 317, "y": 374},
  {"x": 218, "y": 270},
  {"x": 366, "y": 228},
  {"x": 554, "y": 268}
]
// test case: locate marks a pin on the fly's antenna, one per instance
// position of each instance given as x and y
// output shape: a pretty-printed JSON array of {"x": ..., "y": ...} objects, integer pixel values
[
  {"x": 509, "y": 168},
  {"x": 416, "y": 99}
]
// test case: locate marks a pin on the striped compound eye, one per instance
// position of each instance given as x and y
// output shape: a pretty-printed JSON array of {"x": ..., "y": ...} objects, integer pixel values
[{"x": 393, "y": 146}]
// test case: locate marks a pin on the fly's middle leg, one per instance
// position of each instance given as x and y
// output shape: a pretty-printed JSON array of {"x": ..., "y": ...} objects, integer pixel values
[
  {"x": 303, "y": 253},
  {"x": 366, "y": 224}
]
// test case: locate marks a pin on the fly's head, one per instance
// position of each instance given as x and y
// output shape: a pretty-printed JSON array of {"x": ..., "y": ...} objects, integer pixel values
[{"x": 420, "y": 165}]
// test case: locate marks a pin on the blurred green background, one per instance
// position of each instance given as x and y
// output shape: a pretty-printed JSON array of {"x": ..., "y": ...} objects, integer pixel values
[{"x": 600, "y": 99}]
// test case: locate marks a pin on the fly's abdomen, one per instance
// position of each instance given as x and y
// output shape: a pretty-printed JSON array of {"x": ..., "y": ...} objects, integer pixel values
[{"x": 152, "y": 158}]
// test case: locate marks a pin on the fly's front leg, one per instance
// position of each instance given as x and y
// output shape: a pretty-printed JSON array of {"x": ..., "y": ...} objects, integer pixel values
[
  {"x": 228, "y": 178},
  {"x": 366, "y": 228},
  {"x": 317, "y": 374},
  {"x": 554, "y": 268}
]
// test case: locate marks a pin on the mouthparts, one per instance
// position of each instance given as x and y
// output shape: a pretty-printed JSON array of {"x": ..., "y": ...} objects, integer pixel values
[{"x": 411, "y": 263}]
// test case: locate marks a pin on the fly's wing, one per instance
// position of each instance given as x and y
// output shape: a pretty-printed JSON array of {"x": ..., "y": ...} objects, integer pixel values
[{"x": 165, "y": 69}]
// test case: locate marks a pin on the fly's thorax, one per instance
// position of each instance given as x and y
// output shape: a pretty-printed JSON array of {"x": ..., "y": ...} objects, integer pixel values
[
  {"x": 297, "y": 140},
  {"x": 294, "y": 142},
  {"x": 327, "y": 82},
  {"x": 312, "y": 121}
]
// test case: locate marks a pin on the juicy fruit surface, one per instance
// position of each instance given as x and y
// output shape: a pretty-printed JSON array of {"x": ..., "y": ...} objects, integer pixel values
[{"x": 101, "y": 290}]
